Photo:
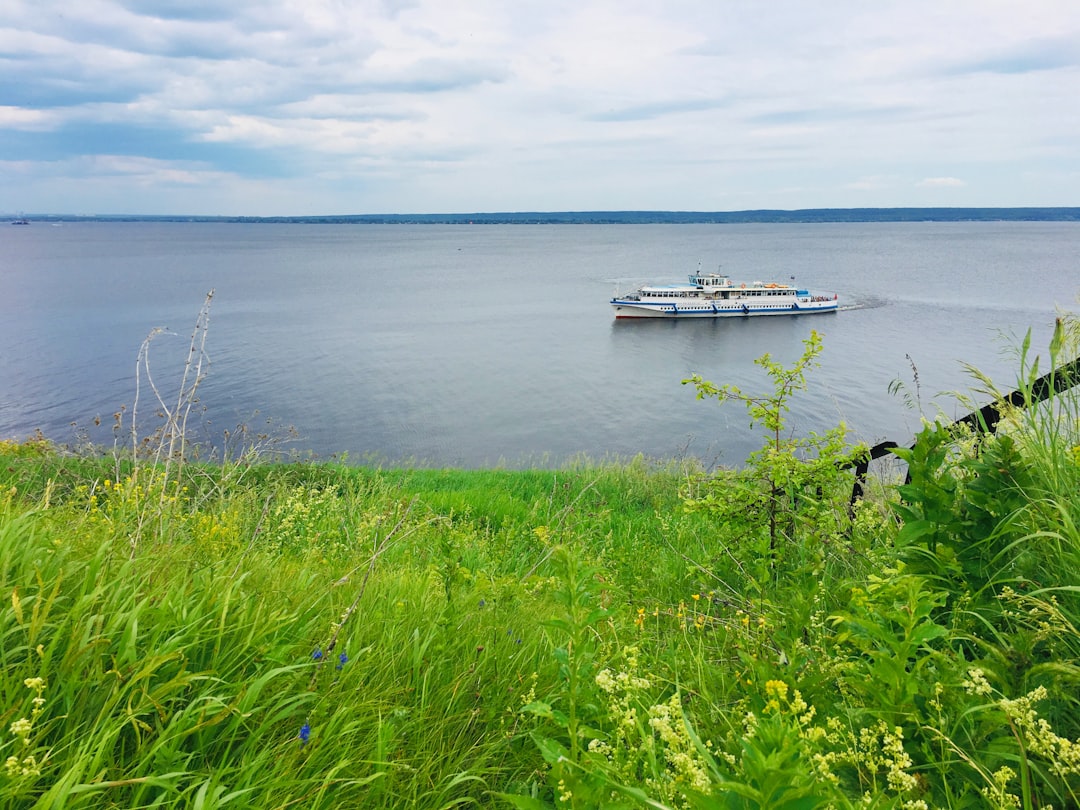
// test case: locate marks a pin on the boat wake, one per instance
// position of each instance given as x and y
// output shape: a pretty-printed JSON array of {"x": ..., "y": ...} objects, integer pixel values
[{"x": 868, "y": 302}]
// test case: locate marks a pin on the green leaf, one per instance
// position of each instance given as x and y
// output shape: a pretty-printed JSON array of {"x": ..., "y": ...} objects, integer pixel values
[
  {"x": 523, "y": 802},
  {"x": 915, "y": 530},
  {"x": 537, "y": 708},
  {"x": 638, "y": 795},
  {"x": 551, "y": 750},
  {"x": 928, "y": 632}
]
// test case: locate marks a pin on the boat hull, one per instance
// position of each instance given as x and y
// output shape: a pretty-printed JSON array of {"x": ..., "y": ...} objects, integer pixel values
[{"x": 706, "y": 309}]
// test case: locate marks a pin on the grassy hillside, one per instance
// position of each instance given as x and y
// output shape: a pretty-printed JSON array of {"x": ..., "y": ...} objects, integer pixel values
[{"x": 252, "y": 634}]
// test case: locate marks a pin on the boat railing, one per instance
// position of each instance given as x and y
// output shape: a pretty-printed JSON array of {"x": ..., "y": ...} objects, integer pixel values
[{"x": 984, "y": 421}]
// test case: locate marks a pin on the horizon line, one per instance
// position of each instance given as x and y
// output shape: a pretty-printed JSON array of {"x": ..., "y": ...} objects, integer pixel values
[{"x": 580, "y": 213}]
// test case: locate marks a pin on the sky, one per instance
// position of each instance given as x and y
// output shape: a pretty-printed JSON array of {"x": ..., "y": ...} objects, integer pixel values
[{"x": 312, "y": 107}]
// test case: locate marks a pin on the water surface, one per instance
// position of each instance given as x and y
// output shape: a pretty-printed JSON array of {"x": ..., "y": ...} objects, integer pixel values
[{"x": 480, "y": 345}]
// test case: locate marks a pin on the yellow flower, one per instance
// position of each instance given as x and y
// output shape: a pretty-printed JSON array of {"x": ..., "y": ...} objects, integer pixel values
[{"x": 776, "y": 689}]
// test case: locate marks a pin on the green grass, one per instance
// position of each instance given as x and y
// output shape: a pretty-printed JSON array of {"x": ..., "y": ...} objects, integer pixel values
[
  {"x": 177, "y": 632},
  {"x": 542, "y": 638}
]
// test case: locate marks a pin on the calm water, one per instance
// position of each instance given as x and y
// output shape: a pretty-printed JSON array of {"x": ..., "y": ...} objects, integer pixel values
[{"x": 480, "y": 345}]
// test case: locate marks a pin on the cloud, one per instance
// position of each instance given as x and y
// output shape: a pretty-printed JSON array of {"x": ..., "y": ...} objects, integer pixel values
[
  {"x": 658, "y": 109},
  {"x": 21, "y": 118},
  {"x": 406, "y": 104},
  {"x": 1044, "y": 53}
]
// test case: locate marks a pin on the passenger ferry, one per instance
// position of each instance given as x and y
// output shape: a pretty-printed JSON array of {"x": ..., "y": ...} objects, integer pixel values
[{"x": 714, "y": 295}]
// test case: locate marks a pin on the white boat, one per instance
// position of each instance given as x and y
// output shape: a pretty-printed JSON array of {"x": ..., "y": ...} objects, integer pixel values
[{"x": 714, "y": 295}]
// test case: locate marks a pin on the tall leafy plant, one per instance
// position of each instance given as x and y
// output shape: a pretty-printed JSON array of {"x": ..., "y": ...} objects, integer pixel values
[{"x": 787, "y": 490}]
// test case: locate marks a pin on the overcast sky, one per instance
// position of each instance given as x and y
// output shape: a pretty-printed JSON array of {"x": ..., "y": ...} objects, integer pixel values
[{"x": 268, "y": 107}]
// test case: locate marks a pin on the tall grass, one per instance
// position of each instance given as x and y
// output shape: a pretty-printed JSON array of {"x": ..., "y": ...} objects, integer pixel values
[{"x": 253, "y": 634}]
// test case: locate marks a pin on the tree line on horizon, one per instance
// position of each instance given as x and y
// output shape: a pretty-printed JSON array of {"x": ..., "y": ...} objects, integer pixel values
[{"x": 775, "y": 216}]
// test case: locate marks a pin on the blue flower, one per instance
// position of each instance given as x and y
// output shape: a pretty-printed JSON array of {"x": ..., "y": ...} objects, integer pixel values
[
  {"x": 343, "y": 659},
  {"x": 317, "y": 655},
  {"x": 305, "y": 734}
]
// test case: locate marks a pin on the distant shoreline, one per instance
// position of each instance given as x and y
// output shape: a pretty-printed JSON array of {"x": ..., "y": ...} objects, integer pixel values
[{"x": 807, "y": 215}]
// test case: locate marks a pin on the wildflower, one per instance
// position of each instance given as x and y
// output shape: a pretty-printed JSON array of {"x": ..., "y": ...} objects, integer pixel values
[
  {"x": 776, "y": 689},
  {"x": 776, "y": 692},
  {"x": 976, "y": 683},
  {"x": 685, "y": 765},
  {"x": 606, "y": 681},
  {"x": 317, "y": 655},
  {"x": 564, "y": 792},
  {"x": 29, "y": 766},
  {"x": 343, "y": 659},
  {"x": 600, "y": 747},
  {"x": 898, "y": 761},
  {"x": 530, "y": 696},
  {"x": 21, "y": 728},
  {"x": 998, "y": 796},
  {"x": 1063, "y": 754},
  {"x": 305, "y": 734}
]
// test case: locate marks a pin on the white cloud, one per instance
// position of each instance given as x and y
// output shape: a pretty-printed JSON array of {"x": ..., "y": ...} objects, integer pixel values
[
  {"x": 148, "y": 173},
  {"x": 566, "y": 104},
  {"x": 25, "y": 119}
]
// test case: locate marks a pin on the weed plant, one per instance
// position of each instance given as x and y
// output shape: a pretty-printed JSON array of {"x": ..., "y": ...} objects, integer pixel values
[{"x": 255, "y": 634}]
